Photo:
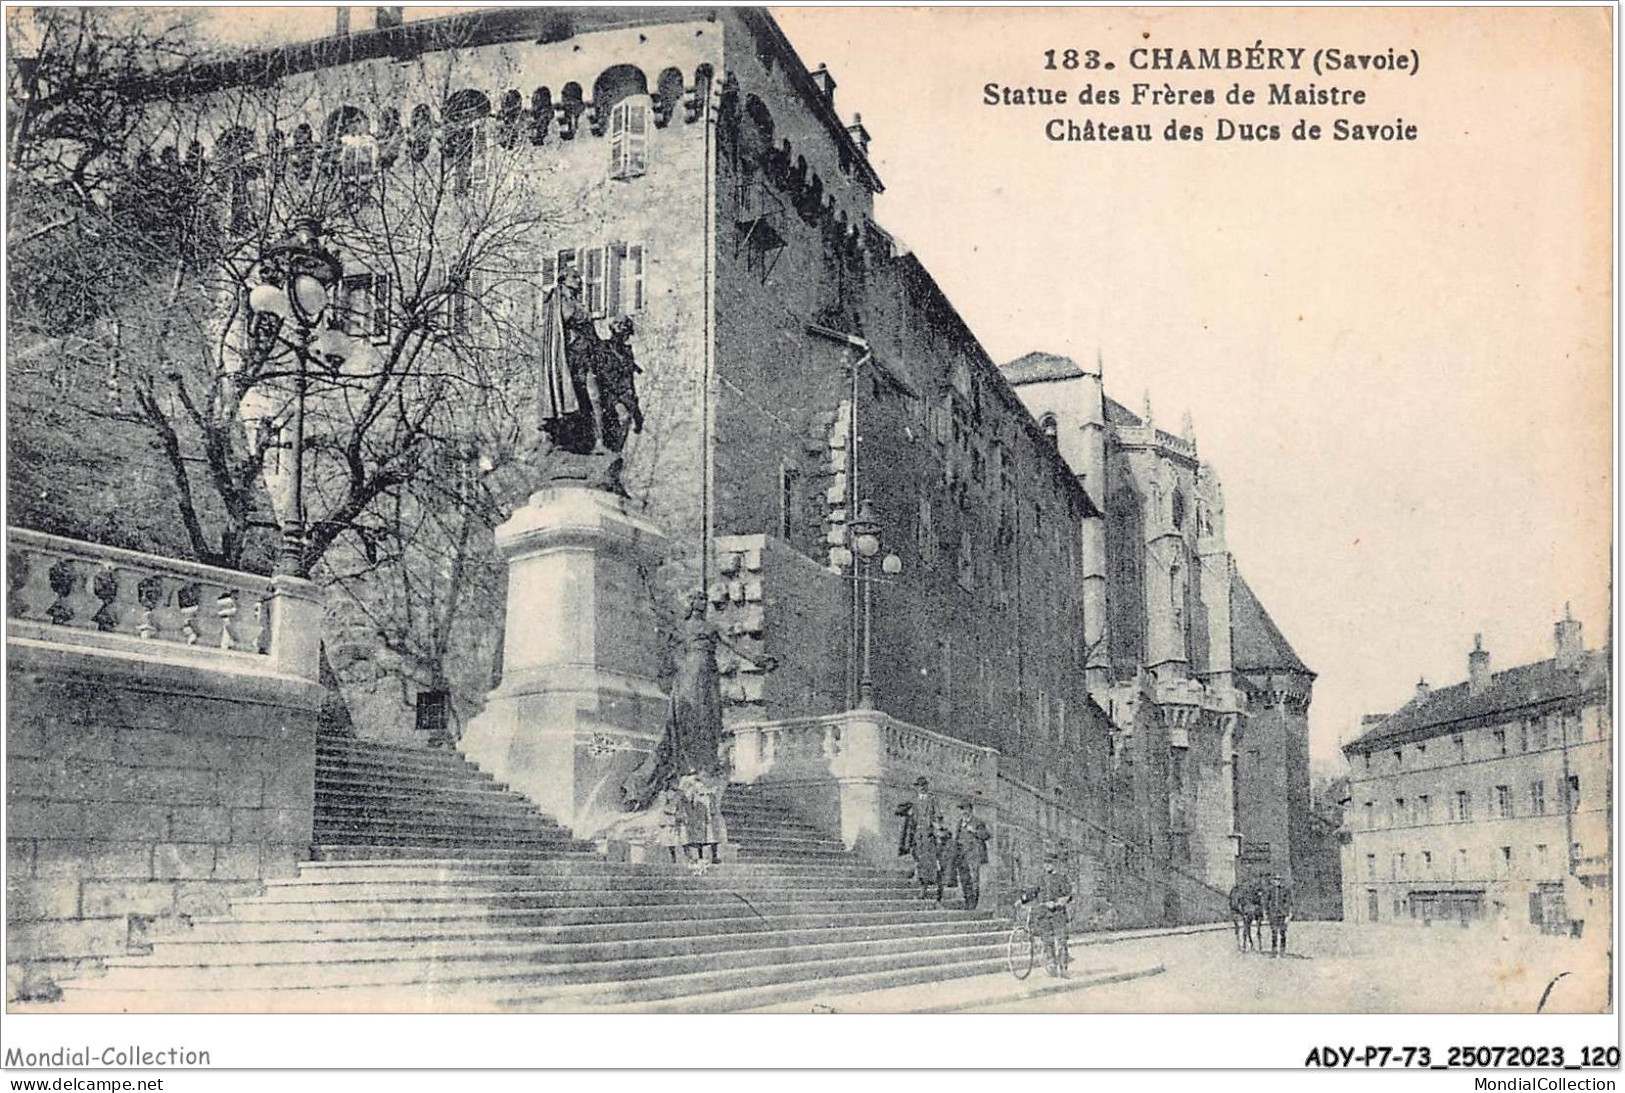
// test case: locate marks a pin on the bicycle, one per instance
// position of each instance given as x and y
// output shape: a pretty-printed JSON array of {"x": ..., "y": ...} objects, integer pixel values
[{"x": 1021, "y": 950}]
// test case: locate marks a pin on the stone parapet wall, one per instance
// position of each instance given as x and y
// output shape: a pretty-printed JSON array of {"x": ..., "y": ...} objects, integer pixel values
[{"x": 160, "y": 748}]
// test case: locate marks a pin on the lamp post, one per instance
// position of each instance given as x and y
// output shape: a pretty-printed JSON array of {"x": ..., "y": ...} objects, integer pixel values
[
  {"x": 865, "y": 533},
  {"x": 296, "y": 275}
]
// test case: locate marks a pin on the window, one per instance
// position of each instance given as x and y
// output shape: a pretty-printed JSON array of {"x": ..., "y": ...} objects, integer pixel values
[
  {"x": 1460, "y": 743},
  {"x": 1506, "y": 861},
  {"x": 1421, "y": 754},
  {"x": 1399, "y": 812},
  {"x": 1543, "y": 856},
  {"x": 1424, "y": 809},
  {"x": 593, "y": 287},
  {"x": 1464, "y": 806},
  {"x": 1537, "y": 798},
  {"x": 1460, "y": 871},
  {"x": 1501, "y": 803},
  {"x": 626, "y": 291},
  {"x": 1500, "y": 738},
  {"x": 1366, "y": 759},
  {"x": 363, "y": 310},
  {"x": 1399, "y": 758},
  {"x": 1427, "y": 863},
  {"x": 788, "y": 479},
  {"x": 358, "y": 159},
  {"x": 1523, "y": 736},
  {"x": 1370, "y": 815},
  {"x": 1371, "y": 867},
  {"x": 1399, "y": 866},
  {"x": 1537, "y": 734},
  {"x": 629, "y": 138},
  {"x": 1574, "y": 793}
]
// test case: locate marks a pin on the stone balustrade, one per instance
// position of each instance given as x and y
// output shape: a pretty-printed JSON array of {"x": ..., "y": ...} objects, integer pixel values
[{"x": 77, "y": 593}]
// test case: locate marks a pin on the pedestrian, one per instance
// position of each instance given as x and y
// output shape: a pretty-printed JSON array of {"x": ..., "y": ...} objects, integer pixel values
[
  {"x": 1278, "y": 907},
  {"x": 970, "y": 841},
  {"x": 669, "y": 828},
  {"x": 930, "y": 868},
  {"x": 1053, "y": 894},
  {"x": 919, "y": 823},
  {"x": 1238, "y": 916}
]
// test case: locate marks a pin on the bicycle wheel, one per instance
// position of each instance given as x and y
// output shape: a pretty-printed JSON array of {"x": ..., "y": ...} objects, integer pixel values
[{"x": 1020, "y": 951}]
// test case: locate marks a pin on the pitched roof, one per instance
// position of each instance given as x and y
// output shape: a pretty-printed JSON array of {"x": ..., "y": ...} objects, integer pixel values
[
  {"x": 1446, "y": 709},
  {"x": 1256, "y": 643},
  {"x": 1118, "y": 414},
  {"x": 1037, "y": 366}
]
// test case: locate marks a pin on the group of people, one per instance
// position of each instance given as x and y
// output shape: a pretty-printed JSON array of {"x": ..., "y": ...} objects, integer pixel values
[
  {"x": 948, "y": 852},
  {"x": 691, "y": 817},
  {"x": 1252, "y": 904}
]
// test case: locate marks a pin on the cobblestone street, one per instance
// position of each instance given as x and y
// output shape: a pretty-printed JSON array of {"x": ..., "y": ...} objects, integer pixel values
[{"x": 1339, "y": 968}]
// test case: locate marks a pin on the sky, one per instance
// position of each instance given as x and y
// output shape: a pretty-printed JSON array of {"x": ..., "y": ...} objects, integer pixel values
[{"x": 1397, "y": 354}]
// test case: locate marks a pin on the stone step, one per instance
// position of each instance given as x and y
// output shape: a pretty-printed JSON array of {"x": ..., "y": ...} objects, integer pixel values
[
  {"x": 328, "y": 777},
  {"x": 450, "y": 797},
  {"x": 542, "y": 950},
  {"x": 433, "y": 765},
  {"x": 509, "y": 926},
  {"x": 606, "y": 886},
  {"x": 817, "y": 972},
  {"x": 654, "y": 893},
  {"x": 519, "y": 965},
  {"x": 420, "y": 851},
  {"x": 588, "y": 912},
  {"x": 386, "y": 832},
  {"x": 431, "y": 869},
  {"x": 518, "y": 816}
]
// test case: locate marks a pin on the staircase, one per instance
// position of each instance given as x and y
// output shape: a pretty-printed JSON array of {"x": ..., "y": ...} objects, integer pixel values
[{"x": 435, "y": 889}]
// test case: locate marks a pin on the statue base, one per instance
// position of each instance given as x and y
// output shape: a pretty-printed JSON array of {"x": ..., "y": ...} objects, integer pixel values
[
  {"x": 599, "y": 470},
  {"x": 579, "y": 707}
]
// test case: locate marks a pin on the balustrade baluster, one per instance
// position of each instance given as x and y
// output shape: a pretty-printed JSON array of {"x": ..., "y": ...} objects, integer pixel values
[
  {"x": 124, "y": 609},
  {"x": 227, "y": 607},
  {"x": 30, "y": 576},
  {"x": 79, "y": 604}
]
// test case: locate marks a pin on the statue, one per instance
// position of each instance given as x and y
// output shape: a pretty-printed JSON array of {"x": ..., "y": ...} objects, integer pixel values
[
  {"x": 616, "y": 370},
  {"x": 692, "y": 741},
  {"x": 588, "y": 394}
]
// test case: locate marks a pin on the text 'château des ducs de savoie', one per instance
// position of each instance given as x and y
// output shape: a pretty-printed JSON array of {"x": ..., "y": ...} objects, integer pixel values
[{"x": 1305, "y": 94}]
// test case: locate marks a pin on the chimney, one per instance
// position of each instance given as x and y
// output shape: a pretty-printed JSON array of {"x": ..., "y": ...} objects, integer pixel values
[
  {"x": 1570, "y": 649},
  {"x": 1478, "y": 667},
  {"x": 389, "y": 17},
  {"x": 860, "y": 135},
  {"x": 825, "y": 83},
  {"x": 341, "y": 21},
  {"x": 1422, "y": 688}
]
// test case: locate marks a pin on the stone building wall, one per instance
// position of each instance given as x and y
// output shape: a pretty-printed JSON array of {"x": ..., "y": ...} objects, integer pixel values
[{"x": 142, "y": 791}]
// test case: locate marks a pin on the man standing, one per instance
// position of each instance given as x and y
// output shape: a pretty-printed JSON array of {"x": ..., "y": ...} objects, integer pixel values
[
  {"x": 1278, "y": 907},
  {"x": 1238, "y": 916},
  {"x": 919, "y": 821},
  {"x": 1054, "y": 895},
  {"x": 970, "y": 854}
]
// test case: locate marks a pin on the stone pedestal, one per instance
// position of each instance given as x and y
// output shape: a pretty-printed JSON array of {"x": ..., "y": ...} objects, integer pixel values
[{"x": 579, "y": 707}]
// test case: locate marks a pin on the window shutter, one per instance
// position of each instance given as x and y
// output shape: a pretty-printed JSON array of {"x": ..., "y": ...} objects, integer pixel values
[
  {"x": 380, "y": 305},
  {"x": 616, "y": 256},
  {"x": 637, "y": 138},
  {"x": 479, "y": 147},
  {"x": 634, "y": 277},
  {"x": 593, "y": 281},
  {"x": 617, "y": 141}
]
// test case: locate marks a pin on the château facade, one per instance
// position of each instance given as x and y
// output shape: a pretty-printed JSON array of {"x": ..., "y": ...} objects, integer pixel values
[{"x": 1067, "y": 599}]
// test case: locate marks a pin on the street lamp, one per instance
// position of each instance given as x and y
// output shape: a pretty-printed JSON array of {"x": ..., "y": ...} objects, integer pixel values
[
  {"x": 297, "y": 274},
  {"x": 865, "y": 538}
]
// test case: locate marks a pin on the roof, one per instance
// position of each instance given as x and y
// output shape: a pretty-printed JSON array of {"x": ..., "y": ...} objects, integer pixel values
[
  {"x": 1256, "y": 643},
  {"x": 1038, "y": 366},
  {"x": 1118, "y": 414},
  {"x": 492, "y": 26},
  {"x": 1446, "y": 709}
]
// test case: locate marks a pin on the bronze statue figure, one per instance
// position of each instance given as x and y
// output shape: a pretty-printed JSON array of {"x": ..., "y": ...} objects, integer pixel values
[
  {"x": 588, "y": 394},
  {"x": 692, "y": 742}
]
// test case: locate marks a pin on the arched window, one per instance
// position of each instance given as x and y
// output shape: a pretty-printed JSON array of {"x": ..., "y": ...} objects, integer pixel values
[
  {"x": 465, "y": 145},
  {"x": 1179, "y": 508},
  {"x": 1047, "y": 423},
  {"x": 1178, "y": 593}
]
